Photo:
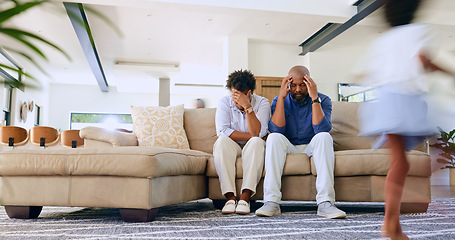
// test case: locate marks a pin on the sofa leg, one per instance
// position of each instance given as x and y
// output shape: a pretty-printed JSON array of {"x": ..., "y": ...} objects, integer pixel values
[
  {"x": 414, "y": 207},
  {"x": 219, "y": 203},
  {"x": 23, "y": 212},
  {"x": 138, "y": 215}
]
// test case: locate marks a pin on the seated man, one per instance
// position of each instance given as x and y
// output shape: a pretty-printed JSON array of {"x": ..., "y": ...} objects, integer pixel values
[
  {"x": 241, "y": 122},
  {"x": 301, "y": 121}
]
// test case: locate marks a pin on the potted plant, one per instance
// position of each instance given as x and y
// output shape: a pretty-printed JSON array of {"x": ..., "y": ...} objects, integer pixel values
[{"x": 446, "y": 143}]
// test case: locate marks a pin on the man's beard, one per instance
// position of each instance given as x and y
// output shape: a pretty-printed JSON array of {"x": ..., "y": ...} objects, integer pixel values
[{"x": 300, "y": 99}]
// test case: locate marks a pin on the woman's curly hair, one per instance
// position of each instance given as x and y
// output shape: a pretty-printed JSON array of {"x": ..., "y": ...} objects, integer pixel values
[{"x": 242, "y": 80}]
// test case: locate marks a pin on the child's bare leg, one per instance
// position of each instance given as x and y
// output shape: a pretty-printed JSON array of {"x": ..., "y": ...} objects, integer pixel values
[{"x": 394, "y": 184}]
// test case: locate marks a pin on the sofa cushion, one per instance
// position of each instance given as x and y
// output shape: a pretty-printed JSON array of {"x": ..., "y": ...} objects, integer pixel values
[
  {"x": 368, "y": 162},
  {"x": 112, "y": 137},
  {"x": 200, "y": 128},
  {"x": 150, "y": 162},
  {"x": 345, "y": 127},
  {"x": 159, "y": 126},
  {"x": 296, "y": 164}
]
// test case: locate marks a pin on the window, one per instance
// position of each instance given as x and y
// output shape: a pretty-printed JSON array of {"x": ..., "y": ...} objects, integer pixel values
[
  {"x": 7, "y": 93},
  {"x": 37, "y": 115},
  {"x": 103, "y": 120},
  {"x": 351, "y": 92}
]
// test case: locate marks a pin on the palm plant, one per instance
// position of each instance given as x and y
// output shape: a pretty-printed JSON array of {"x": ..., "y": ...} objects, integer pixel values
[
  {"x": 11, "y": 8},
  {"x": 14, "y": 8},
  {"x": 447, "y": 145}
]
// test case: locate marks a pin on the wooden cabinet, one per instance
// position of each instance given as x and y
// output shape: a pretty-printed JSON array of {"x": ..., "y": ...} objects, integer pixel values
[{"x": 268, "y": 87}]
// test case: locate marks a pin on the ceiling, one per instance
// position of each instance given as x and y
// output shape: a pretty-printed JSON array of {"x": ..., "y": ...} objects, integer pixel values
[{"x": 191, "y": 32}]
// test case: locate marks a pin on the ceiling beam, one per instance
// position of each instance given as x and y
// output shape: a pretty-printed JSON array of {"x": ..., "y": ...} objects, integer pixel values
[
  {"x": 80, "y": 24},
  {"x": 332, "y": 30}
]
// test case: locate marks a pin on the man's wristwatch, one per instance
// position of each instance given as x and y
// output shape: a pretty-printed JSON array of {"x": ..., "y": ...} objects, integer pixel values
[
  {"x": 249, "y": 110},
  {"x": 317, "y": 100}
]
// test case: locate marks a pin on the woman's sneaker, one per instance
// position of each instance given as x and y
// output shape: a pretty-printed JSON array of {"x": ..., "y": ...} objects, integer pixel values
[
  {"x": 242, "y": 207},
  {"x": 229, "y": 207},
  {"x": 269, "y": 209}
]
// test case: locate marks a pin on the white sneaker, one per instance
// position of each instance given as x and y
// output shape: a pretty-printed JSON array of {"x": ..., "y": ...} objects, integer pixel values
[
  {"x": 328, "y": 210},
  {"x": 229, "y": 207},
  {"x": 269, "y": 209},
  {"x": 242, "y": 207}
]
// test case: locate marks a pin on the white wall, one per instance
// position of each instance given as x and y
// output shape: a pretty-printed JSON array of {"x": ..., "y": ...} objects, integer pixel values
[
  {"x": 274, "y": 60},
  {"x": 334, "y": 65},
  {"x": 39, "y": 96},
  {"x": 64, "y": 99}
]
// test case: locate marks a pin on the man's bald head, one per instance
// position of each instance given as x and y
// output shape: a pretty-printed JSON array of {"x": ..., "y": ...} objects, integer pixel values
[
  {"x": 299, "y": 70},
  {"x": 298, "y": 87}
]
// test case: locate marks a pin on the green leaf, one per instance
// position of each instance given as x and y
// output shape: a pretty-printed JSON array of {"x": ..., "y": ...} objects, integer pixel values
[
  {"x": 17, "y": 9},
  {"x": 452, "y": 134},
  {"x": 30, "y": 59},
  {"x": 445, "y": 136},
  {"x": 446, "y": 155},
  {"x": 445, "y": 161},
  {"x": 19, "y": 34},
  {"x": 436, "y": 145},
  {"x": 17, "y": 70}
]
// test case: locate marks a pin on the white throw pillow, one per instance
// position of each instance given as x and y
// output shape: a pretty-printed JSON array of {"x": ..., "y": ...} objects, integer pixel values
[{"x": 159, "y": 126}]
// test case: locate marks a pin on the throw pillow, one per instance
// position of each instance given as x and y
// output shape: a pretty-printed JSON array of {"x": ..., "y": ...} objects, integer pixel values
[{"x": 159, "y": 126}]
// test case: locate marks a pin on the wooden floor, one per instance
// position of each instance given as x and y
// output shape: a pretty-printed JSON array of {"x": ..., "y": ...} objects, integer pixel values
[{"x": 443, "y": 191}]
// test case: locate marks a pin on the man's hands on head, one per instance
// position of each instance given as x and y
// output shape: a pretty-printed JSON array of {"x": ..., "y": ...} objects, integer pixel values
[
  {"x": 311, "y": 87},
  {"x": 285, "y": 86},
  {"x": 241, "y": 100}
]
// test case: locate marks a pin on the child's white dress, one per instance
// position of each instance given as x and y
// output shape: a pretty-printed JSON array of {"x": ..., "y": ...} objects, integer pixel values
[{"x": 395, "y": 69}]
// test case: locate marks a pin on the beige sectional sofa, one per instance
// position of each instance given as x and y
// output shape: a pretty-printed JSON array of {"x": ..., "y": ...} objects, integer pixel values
[{"x": 112, "y": 171}]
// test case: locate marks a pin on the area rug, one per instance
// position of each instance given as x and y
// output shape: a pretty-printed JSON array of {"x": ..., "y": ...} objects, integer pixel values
[{"x": 200, "y": 220}]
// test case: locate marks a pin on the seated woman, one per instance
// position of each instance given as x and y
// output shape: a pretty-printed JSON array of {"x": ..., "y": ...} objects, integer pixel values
[{"x": 241, "y": 122}]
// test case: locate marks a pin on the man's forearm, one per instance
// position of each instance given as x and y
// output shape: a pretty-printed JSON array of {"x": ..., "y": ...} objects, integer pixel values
[
  {"x": 318, "y": 114},
  {"x": 278, "y": 117}
]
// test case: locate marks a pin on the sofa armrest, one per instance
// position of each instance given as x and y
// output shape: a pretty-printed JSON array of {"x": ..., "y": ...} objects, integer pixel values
[{"x": 103, "y": 137}]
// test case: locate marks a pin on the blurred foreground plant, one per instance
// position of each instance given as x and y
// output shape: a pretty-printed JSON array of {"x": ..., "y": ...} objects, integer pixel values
[{"x": 11, "y": 8}]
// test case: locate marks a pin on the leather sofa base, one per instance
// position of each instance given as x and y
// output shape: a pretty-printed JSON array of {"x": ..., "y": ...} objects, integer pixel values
[
  {"x": 416, "y": 194},
  {"x": 101, "y": 191}
]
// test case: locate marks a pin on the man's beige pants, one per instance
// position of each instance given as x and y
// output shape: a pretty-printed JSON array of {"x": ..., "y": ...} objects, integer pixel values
[{"x": 226, "y": 151}]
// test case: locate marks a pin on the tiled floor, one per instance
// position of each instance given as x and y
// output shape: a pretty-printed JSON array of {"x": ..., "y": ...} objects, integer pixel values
[{"x": 443, "y": 191}]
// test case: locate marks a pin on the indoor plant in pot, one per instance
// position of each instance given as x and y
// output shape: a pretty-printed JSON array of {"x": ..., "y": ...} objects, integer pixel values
[{"x": 446, "y": 143}]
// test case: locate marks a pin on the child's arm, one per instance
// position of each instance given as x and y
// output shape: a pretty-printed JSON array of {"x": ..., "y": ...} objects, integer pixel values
[{"x": 430, "y": 66}]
